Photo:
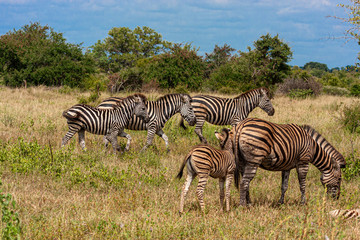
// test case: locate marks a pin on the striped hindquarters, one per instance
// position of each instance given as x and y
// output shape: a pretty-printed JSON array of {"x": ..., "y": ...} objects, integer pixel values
[
  {"x": 89, "y": 118},
  {"x": 209, "y": 160}
]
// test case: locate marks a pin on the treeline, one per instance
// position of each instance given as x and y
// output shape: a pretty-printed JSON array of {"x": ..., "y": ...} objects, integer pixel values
[{"x": 140, "y": 59}]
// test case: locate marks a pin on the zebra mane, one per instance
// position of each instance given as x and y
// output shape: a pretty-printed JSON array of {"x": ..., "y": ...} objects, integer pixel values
[
  {"x": 142, "y": 96},
  {"x": 172, "y": 94},
  {"x": 253, "y": 90}
]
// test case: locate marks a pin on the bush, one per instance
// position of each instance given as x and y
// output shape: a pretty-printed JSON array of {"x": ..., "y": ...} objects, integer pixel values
[
  {"x": 350, "y": 118},
  {"x": 37, "y": 55},
  {"x": 335, "y": 91},
  {"x": 352, "y": 167},
  {"x": 300, "y": 87},
  {"x": 300, "y": 93},
  {"x": 355, "y": 90}
]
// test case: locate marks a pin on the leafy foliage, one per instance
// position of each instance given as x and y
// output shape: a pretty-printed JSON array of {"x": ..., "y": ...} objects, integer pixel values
[
  {"x": 350, "y": 118},
  {"x": 352, "y": 169},
  {"x": 10, "y": 226},
  {"x": 180, "y": 66},
  {"x": 37, "y": 55}
]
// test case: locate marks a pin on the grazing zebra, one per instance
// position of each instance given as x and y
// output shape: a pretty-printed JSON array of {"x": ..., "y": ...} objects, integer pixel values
[
  {"x": 204, "y": 160},
  {"x": 228, "y": 111},
  {"x": 160, "y": 111},
  {"x": 280, "y": 147},
  {"x": 346, "y": 214},
  {"x": 325, "y": 145},
  {"x": 108, "y": 122}
]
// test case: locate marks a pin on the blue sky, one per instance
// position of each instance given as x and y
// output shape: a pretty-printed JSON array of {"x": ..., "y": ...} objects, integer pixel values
[{"x": 302, "y": 24}]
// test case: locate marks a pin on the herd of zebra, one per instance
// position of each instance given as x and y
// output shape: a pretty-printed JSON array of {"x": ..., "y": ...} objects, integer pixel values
[{"x": 250, "y": 144}]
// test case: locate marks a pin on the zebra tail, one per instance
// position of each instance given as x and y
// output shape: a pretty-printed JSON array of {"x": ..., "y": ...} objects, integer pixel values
[
  {"x": 182, "y": 124},
  {"x": 69, "y": 116},
  {"x": 239, "y": 160},
  {"x": 179, "y": 176}
]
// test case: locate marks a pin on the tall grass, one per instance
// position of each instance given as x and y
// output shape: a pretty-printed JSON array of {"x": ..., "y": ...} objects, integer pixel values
[{"x": 70, "y": 194}]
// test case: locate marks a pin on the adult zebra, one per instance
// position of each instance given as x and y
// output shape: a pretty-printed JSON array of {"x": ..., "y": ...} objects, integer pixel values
[
  {"x": 108, "y": 122},
  {"x": 280, "y": 147},
  {"x": 228, "y": 111},
  {"x": 324, "y": 145},
  {"x": 160, "y": 111}
]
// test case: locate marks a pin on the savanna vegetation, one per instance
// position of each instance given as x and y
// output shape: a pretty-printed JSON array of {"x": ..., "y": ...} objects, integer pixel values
[
  {"x": 48, "y": 192},
  {"x": 70, "y": 194}
]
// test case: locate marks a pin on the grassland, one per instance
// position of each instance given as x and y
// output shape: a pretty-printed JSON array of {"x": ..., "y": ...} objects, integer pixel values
[{"x": 70, "y": 194}]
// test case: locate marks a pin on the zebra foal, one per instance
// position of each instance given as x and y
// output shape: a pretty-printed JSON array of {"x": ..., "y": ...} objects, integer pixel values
[
  {"x": 108, "y": 122},
  {"x": 228, "y": 111},
  {"x": 160, "y": 111},
  {"x": 205, "y": 161},
  {"x": 280, "y": 147},
  {"x": 346, "y": 214}
]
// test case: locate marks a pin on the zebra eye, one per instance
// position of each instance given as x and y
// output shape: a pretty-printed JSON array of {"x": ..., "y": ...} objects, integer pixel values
[{"x": 143, "y": 109}]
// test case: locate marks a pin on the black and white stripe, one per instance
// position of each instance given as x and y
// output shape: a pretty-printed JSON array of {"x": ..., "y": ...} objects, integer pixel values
[
  {"x": 204, "y": 160},
  {"x": 325, "y": 145},
  {"x": 346, "y": 214},
  {"x": 228, "y": 111},
  {"x": 160, "y": 111},
  {"x": 280, "y": 147},
  {"x": 108, "y": 122}
]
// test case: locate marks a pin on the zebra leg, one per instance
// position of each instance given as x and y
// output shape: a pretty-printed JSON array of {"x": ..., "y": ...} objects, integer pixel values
[
  {"x": 203, "y": 178},
  {"x": 249, "y": 173},
  {"x": 69, "y": 135},
  {"x": 228, "y": 180},
  {"x": 161, "y": 134},
  {"x": 149, "y": 138},
  {"x": 106, "y": 142},
  {"x": 302, "y": 170},
  {"x": 198, "y": 129},
  {"x": 81, "y": 134},
  {"x": 189, "y": 178},
  {"x": 284, "y": 185},
  {"x": 124, "y": 134},
  {"x": 222, "y": 192},
  {"x": 112, "y": 138},
  {"x": 248, "y": 200}
]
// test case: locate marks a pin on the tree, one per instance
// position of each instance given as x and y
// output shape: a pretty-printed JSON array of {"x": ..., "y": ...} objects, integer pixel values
[
  {"x": 38, "y": 55},
  {"x": 316, "y": 65},
  {"x": 179, "y": 67},
  {"x": 268, "y": 61},
  {"x": 124, "y": 47},
  {"x": 219, "y": 56}
]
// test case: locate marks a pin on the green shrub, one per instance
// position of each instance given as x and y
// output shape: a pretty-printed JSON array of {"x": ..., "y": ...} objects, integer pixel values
[
  {"x": 352, "y": 167},
  {"x": 10, "y": 222},
  {"x": 335, "y": 91},
  {"x": 350, "y": 118},
  {"x": 300, "y": 93},
  {"x": 355, "y": 90}
]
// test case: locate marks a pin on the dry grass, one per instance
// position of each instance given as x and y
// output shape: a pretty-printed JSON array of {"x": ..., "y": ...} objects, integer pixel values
[{"x": 143, "y": 204}]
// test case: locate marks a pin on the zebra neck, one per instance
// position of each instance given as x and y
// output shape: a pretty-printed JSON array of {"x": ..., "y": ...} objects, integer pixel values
[
  {"x": 321, "y": 159},
  {"x": 167, "y": 109},
  {"x": 247, "y": 103}
]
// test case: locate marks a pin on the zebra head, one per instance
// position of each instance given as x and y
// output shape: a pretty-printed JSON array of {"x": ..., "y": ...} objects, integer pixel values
[
  {"x": 225, "y": 138},
  {"x": 186, "y": 109},
  {"x": 265, "y": 103},
  {"x": 140, "y": 109},
  {"x": 332, "y": 181}
]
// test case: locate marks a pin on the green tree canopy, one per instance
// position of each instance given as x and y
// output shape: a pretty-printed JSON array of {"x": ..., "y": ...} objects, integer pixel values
[
  {"x": 181, "y": 66},
  {"x": 124, "y": 47},
  {"x": 38, "y": 55}
]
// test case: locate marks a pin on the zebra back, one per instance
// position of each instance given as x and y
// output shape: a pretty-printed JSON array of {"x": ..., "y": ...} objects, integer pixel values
[{"x": 325, "y": 145}]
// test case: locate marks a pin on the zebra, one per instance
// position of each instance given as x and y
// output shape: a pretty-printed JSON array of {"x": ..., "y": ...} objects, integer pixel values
[
  {"x": 280, "y": 147},
  {"x": 160, "y": 111},
  {"x": 108, "y": 122},
  {"x": 228, "y": 111},
  {"x": 324, "y": 144},
  {"x": 204, "y": 160},
  {"x": 346, "y": 214}
]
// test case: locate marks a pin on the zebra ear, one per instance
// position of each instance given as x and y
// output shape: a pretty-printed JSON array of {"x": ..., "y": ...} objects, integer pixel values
[
  {"x": 218, "y": 135},
  {"x": 336, "y": 165},
  {"x": 183, "y": 98}
]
